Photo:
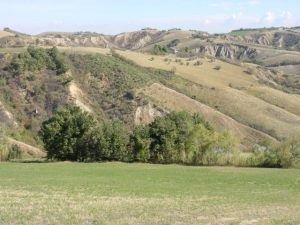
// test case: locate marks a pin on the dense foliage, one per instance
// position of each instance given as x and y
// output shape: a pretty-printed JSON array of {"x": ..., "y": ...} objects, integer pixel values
[
  {"x": 173, "y": 43},
  {"x": 159, "y": 49},
  {"x": 284, "y": 154},
  {"x": 34, "y": 59},
  {"x": 61, "y": 134},
  {"x": 175, "y": 138}
]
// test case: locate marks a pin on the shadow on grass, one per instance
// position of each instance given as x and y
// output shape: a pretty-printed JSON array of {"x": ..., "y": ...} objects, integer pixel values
[{"x": 34, "y": 160}]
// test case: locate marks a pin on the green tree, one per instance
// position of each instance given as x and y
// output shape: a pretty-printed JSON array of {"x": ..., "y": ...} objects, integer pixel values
[
  {"x": 159, "y": 49},
  {"x": 169, "y": 135},
  {"x": 140, "y": 144},
  {"x": 115, "y": 141},
  {"x": 62, "y": 132},
  {"x": 199, "y": 143}
]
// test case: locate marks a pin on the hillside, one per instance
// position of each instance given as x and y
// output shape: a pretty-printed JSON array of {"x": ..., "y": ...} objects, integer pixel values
[
  {"x": 217, "y": 76},
  {"x": 275, "y": 48}
]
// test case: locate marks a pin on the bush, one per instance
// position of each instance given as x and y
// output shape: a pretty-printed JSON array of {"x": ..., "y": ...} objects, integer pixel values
[
  {"x": 159, "y": 49},
  {"x": 173, "y": 70},
  {"x": 217, "y": 67},
  {"x": 285, "y": 154},
  {"x": 198, "y": 63},
  {"x": 173, "y": 43},
  {"x": 14, "y": 152},
  {"x": 4, "y": 148}
]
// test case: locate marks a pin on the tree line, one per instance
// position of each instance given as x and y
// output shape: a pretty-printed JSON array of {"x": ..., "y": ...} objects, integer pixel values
[{"x": 177, "y": 137}]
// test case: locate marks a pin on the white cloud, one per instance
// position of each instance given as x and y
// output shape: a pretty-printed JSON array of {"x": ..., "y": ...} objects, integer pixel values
[
  {"x": 269, "y": 18},
  {"x": 287, "y": 15},
  {"x": 288, "y": 19}
]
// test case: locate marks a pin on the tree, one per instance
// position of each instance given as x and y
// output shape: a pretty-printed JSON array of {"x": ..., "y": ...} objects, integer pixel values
[
  {"x": 114, "y": 142},
  {"x": 140, "y": 144},
  {"x": 199, "y": 143},
  {"x": 173, "y": 43},
  {"x": 169, "y": 135},
  {"x": 159, "y": 49},
  {"x": 61, "y": 133},
  {"x": 106, "y": 142}
]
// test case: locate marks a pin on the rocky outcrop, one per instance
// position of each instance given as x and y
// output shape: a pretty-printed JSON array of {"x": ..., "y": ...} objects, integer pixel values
[
  {"x": 146, "y": 114},
  {"x": 6, "y": 117},
  {"x": 286, "y": 39},
  {"x": 229, "y": 51},
  {"x": 129, "y": 40}
]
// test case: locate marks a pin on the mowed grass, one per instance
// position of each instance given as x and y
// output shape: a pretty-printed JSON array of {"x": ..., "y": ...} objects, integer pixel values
[{"x": 117, "y": 193}]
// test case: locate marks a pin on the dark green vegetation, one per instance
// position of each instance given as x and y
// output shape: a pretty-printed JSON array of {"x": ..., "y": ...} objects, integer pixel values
[
  {"x": 173, "y": 43},
  {"x": 177, "y": 137},
  {"x": 34, "y": 59},
  {"x": 115, "y": 193},
  {"x": 159, "y": 50}
]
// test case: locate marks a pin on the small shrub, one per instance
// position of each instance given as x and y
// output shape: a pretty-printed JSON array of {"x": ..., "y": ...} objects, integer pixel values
[
  {"x": 130, "y": 95},
  {"x": 198, "y": 63},
  {"x": 173, "y": 70},
  {"x": 249, "y": 71},
  {"x": 173, "y": 43},
  {"x": 4, "y": 148},
  {"x": 159, "y": 49},
  {"x": 217, "y": 67},
  {"x": 14, "y": 152}
]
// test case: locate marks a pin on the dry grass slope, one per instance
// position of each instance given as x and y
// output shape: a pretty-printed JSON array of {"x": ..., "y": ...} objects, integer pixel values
[
  {"x": 235, "y": 94},
  {"x": 172, "y": 100}
]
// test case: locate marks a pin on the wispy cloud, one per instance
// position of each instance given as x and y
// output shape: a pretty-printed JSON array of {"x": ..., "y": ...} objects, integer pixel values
[
  {"x": 269, "y": 18},
  {"x": 288, "y": 19}
]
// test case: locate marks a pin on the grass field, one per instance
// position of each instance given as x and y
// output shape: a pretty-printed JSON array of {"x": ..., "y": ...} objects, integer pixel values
[{"x": 116, "y": 193}]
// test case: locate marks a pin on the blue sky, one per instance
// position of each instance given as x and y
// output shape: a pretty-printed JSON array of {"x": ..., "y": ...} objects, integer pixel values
[{"x": 114, "y": 16}]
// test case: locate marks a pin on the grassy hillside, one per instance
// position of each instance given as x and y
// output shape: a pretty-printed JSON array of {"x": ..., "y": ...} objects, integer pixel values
[
  {"x": 101, "y": 84},
  {"x": 175, "y": 101},
  {"x": 110, "y": 85},
  {"x": 233, "y": 92},
  {"x": 115, "y": 193}
]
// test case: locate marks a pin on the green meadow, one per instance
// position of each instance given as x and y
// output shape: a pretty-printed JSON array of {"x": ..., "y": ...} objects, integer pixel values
[{"x": 119, "y": 193}]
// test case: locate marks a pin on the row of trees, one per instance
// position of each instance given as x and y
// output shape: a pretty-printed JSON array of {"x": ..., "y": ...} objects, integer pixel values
[
  {"x": 34, "y": 59},
  {"x": 268, "y": 154},
  {"x": 175, "y": 138}
]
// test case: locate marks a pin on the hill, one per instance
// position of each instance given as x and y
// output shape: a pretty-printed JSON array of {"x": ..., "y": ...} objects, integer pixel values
[{"x": 236, "y": 81}]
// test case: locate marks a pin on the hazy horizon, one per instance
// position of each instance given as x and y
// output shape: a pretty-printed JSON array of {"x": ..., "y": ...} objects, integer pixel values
[{"x": 34, "y": 17}]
